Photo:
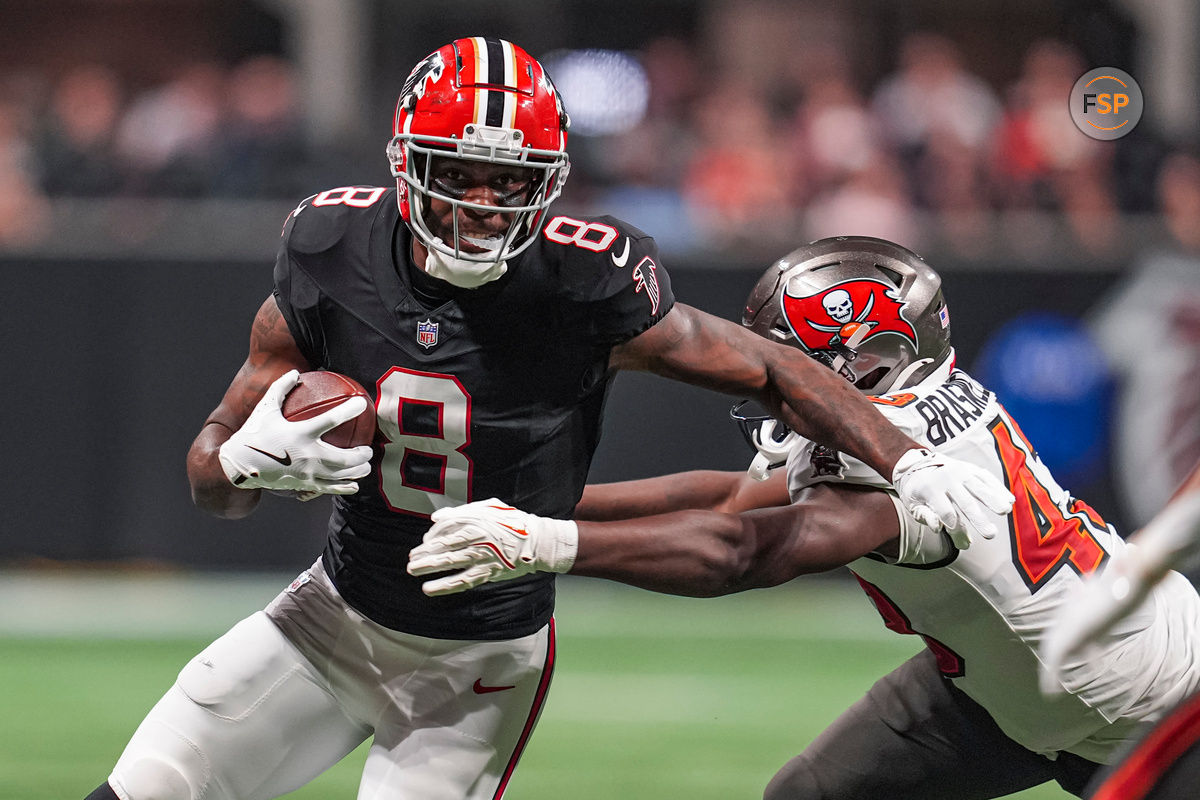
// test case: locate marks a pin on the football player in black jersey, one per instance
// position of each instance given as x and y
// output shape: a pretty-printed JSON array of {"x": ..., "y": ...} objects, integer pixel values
[{"x": 489, "y": 331}]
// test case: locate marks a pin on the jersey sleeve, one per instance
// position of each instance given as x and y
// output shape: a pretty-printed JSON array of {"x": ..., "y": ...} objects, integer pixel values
[
  {"x": 620, "y": 290},
  {"x": 809, "y": 463},
  {"x": 296, "y": 293}
]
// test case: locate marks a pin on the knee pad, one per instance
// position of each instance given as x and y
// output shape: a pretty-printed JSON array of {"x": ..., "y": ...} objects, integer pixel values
[
  {"x": 152, "y": 778},
  {"x": 161, "y": 764}
]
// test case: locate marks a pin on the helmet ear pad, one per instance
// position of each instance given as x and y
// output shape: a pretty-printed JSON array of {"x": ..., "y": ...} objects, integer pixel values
[{"x": 868, "y": 308}]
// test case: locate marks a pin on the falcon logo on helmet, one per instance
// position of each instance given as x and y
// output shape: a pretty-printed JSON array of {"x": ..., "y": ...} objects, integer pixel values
[
  {"x": 478, "y": 100},
  {"x": 427, "y": 72},
  {"x": 826, "y": 318}
]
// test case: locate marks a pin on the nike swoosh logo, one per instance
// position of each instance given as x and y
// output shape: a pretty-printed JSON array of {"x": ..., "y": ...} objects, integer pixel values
[
  {"x": 619, "y": 261},
  {"x": 286, "y": 460},
  {"x": 479, "y": 688}
]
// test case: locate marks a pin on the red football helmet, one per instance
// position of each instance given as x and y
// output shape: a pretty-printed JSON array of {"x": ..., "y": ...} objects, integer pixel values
[{"x": 483, "y": 100}]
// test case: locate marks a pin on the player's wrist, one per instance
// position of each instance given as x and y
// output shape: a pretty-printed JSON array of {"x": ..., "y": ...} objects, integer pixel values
[
  {"x": 908, "y": 459},
  {"x": 557, "y": 544},
  {"x": 235, "y": 472}
]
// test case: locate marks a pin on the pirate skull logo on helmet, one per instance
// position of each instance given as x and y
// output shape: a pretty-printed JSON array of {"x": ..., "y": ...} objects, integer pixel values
[{"x": 872, "y": 308}]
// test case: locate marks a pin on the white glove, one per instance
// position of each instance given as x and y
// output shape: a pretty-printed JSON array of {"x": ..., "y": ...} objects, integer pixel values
[
  {"x": 271, "y": 452},
  {"x": 489, "y": 541},
  {"x": 1169, "y": 541},
  {"x": 295, "y": 494},
  {"x": 947, "y": 493}
]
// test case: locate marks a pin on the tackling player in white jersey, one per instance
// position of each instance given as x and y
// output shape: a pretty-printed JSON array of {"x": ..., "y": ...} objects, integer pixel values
[
  {"x": 1165, "y": 764},
  {"x": 965, "y": 717}
]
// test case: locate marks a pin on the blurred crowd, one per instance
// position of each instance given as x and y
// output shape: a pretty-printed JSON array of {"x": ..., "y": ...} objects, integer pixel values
[
  {"x": 928, "y": 150},
  {"x": 213, "y": 131},
  {"x": 823, "y": 152}
]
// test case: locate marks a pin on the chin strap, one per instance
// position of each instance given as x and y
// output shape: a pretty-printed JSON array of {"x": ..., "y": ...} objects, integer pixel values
[
  {"x": 848, "y": 350},
  {"x": 460, "y": 272}
]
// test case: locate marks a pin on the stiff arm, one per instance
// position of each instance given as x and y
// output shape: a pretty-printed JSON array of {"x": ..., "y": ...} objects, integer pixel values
[
  {"x": 694, "y": 347},
  {"x": 697, "y": 552},
  {"x": 698, "y": 348}
]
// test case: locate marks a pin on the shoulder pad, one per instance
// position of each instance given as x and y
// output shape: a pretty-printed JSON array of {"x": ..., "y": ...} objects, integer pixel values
[{"x": 321, "y": 221}]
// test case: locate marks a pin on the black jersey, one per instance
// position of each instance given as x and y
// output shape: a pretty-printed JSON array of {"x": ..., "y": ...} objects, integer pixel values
[{"x": 489, "y": 392}]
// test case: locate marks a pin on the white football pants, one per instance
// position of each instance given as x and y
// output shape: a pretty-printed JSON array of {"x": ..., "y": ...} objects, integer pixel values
[{"x": 289, "y": 691}]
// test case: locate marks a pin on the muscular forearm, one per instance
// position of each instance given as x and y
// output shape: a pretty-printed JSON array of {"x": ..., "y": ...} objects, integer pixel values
[
  {"x": 824, "y": 407},
  {"x": 700, "y": 489},
  {"x": 708, "y": 553},
  {"x": 211, "y": 489},
  {"x": 691, "y": 553},
  {"x": 708, "y": 490},
  {"x": 698, "y": 348}
]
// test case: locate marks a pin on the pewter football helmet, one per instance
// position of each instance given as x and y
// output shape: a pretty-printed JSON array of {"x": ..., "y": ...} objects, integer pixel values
[{"x": 866, "y": 307}]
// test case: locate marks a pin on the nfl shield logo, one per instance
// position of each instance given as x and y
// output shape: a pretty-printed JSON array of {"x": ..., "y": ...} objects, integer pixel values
[{"x": 427, "y": 333}]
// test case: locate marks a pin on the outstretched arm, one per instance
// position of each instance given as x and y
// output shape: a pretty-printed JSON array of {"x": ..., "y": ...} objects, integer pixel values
[
  {"x": 709, "y": 490},
  {"x": 694, "y": 553},
  {"x": 699, "y": 348},
  {"x": 692, "y": 346},
  {"x": 707, "y": 553}
]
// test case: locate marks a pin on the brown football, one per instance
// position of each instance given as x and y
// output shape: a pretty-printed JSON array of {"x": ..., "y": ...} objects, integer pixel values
[{"x": 320, "y": 391}]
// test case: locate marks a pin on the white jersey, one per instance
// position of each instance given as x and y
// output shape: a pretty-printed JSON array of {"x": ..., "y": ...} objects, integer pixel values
[{"x": 984, "y": 611}]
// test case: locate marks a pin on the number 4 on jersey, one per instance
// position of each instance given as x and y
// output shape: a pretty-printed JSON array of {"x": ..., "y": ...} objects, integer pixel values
[{"x": 1046, "y": 535}]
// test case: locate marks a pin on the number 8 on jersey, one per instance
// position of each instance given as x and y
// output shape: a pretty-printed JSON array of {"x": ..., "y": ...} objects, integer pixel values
[{"x": 425, "y": 419}]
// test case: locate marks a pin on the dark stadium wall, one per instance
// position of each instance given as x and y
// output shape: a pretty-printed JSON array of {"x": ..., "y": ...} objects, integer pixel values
[{"x": 113, "y": 366}]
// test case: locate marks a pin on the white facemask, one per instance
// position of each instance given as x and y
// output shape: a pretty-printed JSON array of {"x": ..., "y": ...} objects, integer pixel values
[{"x": 772, "y": 451}]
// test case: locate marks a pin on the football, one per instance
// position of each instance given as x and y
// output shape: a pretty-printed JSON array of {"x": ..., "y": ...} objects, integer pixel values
[{"x": 319, "y": 391}]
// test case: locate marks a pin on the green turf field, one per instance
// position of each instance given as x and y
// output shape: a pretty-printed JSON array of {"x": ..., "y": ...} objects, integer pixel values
[{"x": 654, "y": 697}]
